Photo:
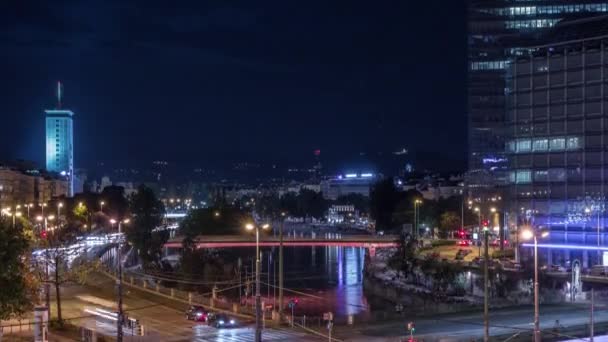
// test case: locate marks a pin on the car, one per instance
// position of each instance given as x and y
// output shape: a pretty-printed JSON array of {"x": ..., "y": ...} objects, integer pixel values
[
  {"x": 464, "y": 243},
  {"x": 223, "y": 321},
  {"x": 496, "y": 243},
  {"x": 197, "y": 313}
]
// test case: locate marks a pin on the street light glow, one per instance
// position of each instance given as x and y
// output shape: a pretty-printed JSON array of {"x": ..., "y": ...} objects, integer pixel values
[
  {"x": 39, "y": 218},
  {"x": 60, "y": 205},
  {"x": 249, "y": 226},
  {"x": 265, "y": 226},
  {"x": 112, "y": 221},
  {"x": 527, "y": 234},
  {"x": 493, "y": 209}
]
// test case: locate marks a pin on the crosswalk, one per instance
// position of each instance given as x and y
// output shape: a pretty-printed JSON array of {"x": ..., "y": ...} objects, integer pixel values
[{"x": 247, "y": 335}]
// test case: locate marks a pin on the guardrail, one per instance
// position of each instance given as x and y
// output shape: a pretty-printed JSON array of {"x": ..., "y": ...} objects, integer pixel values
[{"x": 149, "y": 285}]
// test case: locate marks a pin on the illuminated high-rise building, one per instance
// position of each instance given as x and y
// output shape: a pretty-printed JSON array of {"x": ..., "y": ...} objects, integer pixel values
[
  {"x": 498, "y": 32},
  {"x": 60, "y": 141}
]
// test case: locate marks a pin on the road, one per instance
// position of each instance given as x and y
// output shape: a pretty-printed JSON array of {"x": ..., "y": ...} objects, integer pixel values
[
  {"x": 464, "y": 327},
  {"x": 167, "y": 322}
]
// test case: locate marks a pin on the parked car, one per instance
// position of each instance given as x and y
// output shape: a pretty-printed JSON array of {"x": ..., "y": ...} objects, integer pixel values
[{"x": 197, "y": 313}]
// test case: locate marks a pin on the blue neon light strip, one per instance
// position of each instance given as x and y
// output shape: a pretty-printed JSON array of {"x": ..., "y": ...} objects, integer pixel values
[{"x": 564, "y": 246}]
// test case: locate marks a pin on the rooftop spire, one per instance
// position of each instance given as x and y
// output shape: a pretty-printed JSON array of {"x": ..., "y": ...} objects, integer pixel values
[{"x": 59, "y": 91}]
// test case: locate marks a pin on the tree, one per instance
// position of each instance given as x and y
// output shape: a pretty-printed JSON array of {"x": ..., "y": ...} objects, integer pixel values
[
  {"x": 147, "y": 214},
  {"x": 449, "y": 221},
  {"x": 17, "y": 287},
  {"x": 311, "y": 204},
  {"x": 63, "y": 260},
  {"x": 268, "y": 206},
  {"x": 383, "y": 201},
  {"x": 213, "y": 221}
]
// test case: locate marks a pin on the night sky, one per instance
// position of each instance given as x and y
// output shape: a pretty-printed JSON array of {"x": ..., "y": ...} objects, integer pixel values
[{"x": 226, "y": 81}]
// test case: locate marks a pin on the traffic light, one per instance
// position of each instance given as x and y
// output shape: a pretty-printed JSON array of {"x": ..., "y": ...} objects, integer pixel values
[
  {"x": 43, "y": 234},
  {"x": 485, "y": 224}
]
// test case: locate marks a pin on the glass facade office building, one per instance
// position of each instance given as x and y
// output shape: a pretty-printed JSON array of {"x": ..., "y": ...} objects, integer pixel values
[
  {"x": 557, "y": 142},
  {"x": 60, "y": 144},
  {"x": 498, "y": 31}
]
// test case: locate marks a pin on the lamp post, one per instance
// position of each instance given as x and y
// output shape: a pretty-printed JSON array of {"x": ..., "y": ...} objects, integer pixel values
[
  {"x": 15, "y": 215},
  {"x": 527, "y": 235},
  {"x": 42, "y": 205},
  {"x": 119, "y": 322},
  {"x": 258, "y": 311},
  {"x": 28, "y": 206},
  {"x": 417, "y": 203},
  {"x": 47, "y": 285},
  {"x": 101, "y": 206},
  {"x": 283, "y": 214},
  {"x": 478, "y": 211},
  {"x": 59, "y": 206}
]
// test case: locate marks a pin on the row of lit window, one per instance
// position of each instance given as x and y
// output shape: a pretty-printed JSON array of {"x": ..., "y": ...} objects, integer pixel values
[
  {"x": 489, "y": 65},
  {"x": 526, "y": 24},
  {"x": 526, "y": 176},
  {"x": 544, "y": 144},
  {"x": 533, "y": 10}
]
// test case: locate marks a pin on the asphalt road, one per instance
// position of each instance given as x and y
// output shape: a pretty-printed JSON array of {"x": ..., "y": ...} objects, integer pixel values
[
  {"x": 468, "y": 326},
  {"x": 166, "y": 322}
]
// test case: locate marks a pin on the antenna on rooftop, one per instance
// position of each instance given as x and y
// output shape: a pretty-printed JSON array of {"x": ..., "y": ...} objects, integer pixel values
[{"x": 59, "y": 91}]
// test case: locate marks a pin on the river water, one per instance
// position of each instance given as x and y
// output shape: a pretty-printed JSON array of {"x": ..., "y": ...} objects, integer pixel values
[{"x": 325, "y": 278}]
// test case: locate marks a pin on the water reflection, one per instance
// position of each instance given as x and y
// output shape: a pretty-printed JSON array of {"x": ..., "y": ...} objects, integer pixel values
[{"x": 338, "y": 279}]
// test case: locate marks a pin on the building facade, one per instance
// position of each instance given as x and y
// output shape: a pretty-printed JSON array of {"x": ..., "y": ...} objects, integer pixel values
[
  {"x": 557, "y": 122},
  {"x": 498, "y": 31},
  {"x": 60, "y": 144},
  {"x": 352, "y": 183},
  {"x": 18, "y": 187}
]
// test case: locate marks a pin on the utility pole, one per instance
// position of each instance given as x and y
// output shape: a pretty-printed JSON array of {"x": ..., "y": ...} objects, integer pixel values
[
  {"x": 486, "y": 318},
  {"x": 120, "y": 321},
  {"x": 536, "y": 299},
  {"x": 592, "y": 319},
  {"x": 258, "y": 313},
  {"x": 281, "y": 267}
]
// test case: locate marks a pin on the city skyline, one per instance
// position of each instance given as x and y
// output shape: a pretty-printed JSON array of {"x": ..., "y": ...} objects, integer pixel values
[{"x": 186, "y": 90}]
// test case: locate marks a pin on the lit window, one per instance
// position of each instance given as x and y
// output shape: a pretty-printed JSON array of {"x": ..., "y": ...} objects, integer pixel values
[
  {"x": 557, "y": 144},
  {"x": 540, "y": 175},
  {"x": 523, "y": 176},
  {"x": 573, "y": 143},
  {"x": 524, "y": 145},
  {"x": 540, "y": 145}
]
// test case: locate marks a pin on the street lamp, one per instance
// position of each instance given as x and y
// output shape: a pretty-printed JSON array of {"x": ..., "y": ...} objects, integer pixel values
[
  {"x": 59, "y": 206},
  {"x": 42, "y": 205},
  {"x": 28, "y": 206},
  {"x": 258, "y": 311},
  {"x": 15, "y": 215},
  {"x": 417, "y": 203},
  {"x": 101, "y": 205},
  {"x": 527, "y": 235},
  {"x": 283, "y": 214},
  {"x": 119, "y": 322}
]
